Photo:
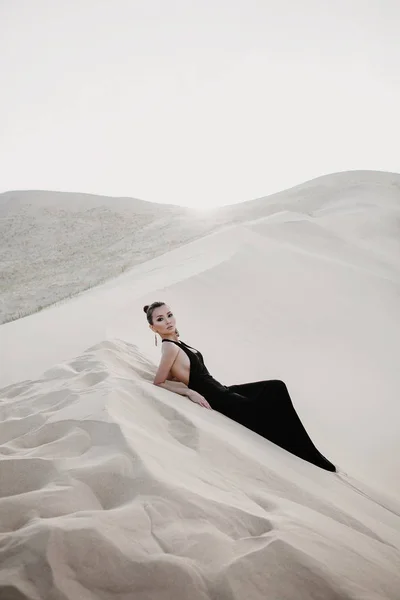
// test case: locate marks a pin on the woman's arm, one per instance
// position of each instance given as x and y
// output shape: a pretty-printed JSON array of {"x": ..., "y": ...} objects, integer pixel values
[
  {"x": 163, "y": 377},
  {"x": 169, "y": 352},
  {"x": 175, "y": 386},
  {"x": 180, "y": 388}
]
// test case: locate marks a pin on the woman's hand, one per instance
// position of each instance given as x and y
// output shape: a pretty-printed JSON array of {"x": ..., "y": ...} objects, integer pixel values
[{"x": 198, "y": 399}]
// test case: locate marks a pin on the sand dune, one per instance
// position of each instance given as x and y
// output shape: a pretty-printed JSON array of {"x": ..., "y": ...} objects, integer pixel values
[
  {"x": 54, "y": 244},
  {"x": 113, "y": 488}
]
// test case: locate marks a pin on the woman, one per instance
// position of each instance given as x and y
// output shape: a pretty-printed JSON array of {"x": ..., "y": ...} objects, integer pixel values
[{"x": 263, "y": 406}]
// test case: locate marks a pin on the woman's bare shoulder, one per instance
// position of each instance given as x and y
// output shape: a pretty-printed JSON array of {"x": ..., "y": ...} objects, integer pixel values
[{"x": 170, "y": 348}]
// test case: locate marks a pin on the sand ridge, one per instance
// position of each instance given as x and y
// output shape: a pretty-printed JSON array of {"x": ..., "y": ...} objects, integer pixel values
[{"x": 112, "y": 487}]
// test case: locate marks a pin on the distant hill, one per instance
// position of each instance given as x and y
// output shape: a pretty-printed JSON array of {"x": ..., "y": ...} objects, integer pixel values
[{"x": 56, "y": 244}]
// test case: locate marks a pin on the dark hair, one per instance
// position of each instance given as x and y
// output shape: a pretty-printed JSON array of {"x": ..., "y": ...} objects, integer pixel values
[{"x": 149, "y": 308}]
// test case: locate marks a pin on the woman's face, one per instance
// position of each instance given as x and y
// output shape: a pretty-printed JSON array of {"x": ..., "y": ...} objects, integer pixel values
[{"x": 163, "y": 320}]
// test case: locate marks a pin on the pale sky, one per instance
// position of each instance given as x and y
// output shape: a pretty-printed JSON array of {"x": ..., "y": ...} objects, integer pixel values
[{"x": 196, "y": 102}]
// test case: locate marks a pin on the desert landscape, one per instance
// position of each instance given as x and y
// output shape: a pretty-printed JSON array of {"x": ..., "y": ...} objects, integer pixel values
[{"x": 113, "y": 488}]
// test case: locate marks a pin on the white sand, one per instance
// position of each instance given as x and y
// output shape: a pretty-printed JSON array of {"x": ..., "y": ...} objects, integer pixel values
[{"x": 112, "y": 488}]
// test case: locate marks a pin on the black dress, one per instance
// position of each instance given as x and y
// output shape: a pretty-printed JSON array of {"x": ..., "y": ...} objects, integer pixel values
[{"x": 263, "y": 406}]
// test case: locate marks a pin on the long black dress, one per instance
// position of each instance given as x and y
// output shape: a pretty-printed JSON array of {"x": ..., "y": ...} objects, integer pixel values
[{"x": 263, "y": 406}]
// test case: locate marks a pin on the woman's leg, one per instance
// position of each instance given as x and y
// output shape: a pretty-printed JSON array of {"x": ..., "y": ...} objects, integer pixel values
[{"x": 272, "y": 415}]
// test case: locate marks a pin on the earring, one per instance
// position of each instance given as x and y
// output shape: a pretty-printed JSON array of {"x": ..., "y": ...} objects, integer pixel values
[{"x": 155, "y": 339}]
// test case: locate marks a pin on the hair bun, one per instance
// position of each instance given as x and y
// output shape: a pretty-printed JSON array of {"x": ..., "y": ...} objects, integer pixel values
[{"x": 146, "y": 308}]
